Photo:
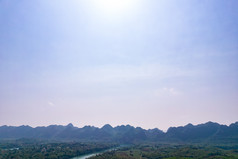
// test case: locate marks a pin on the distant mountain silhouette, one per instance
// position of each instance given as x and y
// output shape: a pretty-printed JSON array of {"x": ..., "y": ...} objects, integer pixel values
[{"x": 208, "y": 132}]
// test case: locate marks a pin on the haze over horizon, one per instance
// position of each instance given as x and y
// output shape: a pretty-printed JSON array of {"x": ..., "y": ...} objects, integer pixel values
[
  {"x": 147, "y": 63},
  {"x": 101, "y": 127}
]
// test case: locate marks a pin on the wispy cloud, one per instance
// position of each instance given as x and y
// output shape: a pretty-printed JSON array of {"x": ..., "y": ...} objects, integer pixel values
[
  {"x": 167, "y": 92},
  {"x": 51, "y": 103},
  {"x": 122, "y": 73}
]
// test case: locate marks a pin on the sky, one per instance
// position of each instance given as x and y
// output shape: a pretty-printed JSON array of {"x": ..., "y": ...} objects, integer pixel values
[{"x": 147, "y": 63}]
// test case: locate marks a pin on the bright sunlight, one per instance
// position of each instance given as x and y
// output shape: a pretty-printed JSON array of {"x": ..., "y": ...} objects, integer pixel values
[{"x": 114, "y": 6}]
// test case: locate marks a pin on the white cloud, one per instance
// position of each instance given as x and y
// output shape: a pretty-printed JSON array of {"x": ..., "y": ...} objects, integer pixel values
[
  {"x": 51, "y": 104},
  {"x": 171, "y": 91},
  {"x": 167, "y": 92}
]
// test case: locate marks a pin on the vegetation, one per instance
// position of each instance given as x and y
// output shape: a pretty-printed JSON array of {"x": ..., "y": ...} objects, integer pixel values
[
  {"x": 209, "y": 140},
  {"x": 153, "y": 151},
  {"x": 38, "y": 149},
  {"x": 23, "y": 149}
]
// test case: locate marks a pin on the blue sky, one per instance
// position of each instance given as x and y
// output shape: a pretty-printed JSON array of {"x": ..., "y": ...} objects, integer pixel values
[{"x": 146, "y": 63}]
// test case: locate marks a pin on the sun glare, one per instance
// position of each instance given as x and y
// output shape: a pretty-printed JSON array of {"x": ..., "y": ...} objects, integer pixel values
[{"x": 114, "y": 6}]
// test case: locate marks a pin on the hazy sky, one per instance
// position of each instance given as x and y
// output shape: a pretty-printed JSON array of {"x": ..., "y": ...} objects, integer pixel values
[{"x": 147, "y": 63}]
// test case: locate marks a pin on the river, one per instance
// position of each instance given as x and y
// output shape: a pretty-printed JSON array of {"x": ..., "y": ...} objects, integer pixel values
[
  {"x": 87, "y": 156},
  {"x": 96, "y": 153}
]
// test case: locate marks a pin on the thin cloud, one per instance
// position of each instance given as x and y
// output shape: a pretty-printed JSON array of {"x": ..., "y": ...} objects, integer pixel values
[
  {"x": 51, "y": 104},
  {"x": 167, "y": 91}
]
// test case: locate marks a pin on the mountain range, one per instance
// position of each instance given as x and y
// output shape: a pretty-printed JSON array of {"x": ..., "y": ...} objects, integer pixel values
[{"x": 207, "y": 132}]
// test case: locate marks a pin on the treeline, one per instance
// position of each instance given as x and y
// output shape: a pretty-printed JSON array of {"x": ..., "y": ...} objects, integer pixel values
[
  {"x": 151, "y": 151},
  {"x": 47, "y": 150}
]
